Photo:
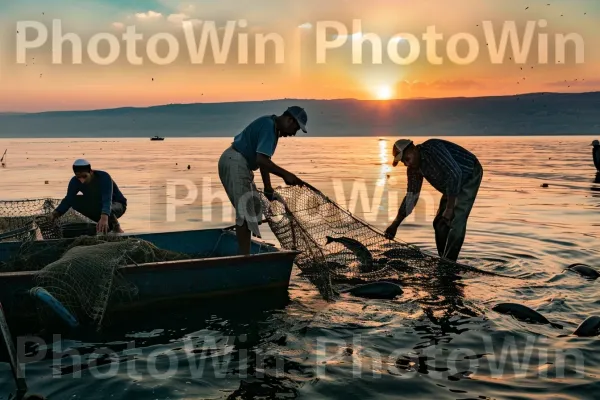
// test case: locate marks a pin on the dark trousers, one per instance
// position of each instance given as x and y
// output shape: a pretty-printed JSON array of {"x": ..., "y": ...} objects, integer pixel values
[
  {"x": 449, "y": 239},
  {"x": 92, "y": 208}
]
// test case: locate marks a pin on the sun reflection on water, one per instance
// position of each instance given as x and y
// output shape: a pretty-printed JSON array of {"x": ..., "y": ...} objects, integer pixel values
[{"x": 383, "y": 157}]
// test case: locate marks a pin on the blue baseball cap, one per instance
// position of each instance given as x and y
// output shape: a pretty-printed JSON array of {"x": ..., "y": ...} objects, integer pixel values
[{"x": 299, "y": 115}]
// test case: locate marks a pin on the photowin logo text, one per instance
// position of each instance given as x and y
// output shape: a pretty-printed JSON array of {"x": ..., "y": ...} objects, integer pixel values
[{"x": 199, "y": 42}]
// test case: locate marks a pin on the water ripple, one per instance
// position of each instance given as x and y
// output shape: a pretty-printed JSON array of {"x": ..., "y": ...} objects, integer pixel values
[{"x": 440, "y": 340}]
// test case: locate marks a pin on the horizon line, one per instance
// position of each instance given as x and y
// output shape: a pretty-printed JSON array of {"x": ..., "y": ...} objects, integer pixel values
[
  {"x": 307, "y": 135},
  {"x": 295, "y": 99}
]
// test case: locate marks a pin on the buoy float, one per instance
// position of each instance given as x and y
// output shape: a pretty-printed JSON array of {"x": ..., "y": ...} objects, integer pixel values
[{"x": 55, "y": 305}]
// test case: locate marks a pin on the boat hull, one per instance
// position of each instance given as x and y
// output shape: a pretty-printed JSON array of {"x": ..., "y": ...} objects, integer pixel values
[{"x": 224, "y": 273}]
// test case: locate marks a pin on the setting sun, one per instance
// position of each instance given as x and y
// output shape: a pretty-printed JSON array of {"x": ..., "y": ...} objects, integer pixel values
[{"x": 384, "y": 93}]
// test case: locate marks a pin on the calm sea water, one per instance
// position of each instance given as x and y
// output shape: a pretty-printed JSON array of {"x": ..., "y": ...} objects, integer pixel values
[{"x": 429, "y": 344}]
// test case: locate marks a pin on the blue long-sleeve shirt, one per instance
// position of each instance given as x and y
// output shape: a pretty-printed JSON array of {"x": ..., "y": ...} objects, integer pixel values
[
  {"x": 109, "y": 192},
  {"x": 596, "y": 155},
  {"x": 445, "y": 165}
]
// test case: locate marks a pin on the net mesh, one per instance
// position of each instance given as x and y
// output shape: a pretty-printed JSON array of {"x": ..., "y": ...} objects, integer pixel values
[
  {"x": 338, "y": 247},
  {"x": 26, "y": 220},
  {"x": 86, "y": 278},
  {"x": 80, "y": 269}
]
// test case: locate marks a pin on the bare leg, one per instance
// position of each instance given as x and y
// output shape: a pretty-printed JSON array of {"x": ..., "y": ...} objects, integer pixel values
[
  {"x": 117, "y": 210},
  {"x": 117, "y": 228},
  {"x": 243, "y": 236}
]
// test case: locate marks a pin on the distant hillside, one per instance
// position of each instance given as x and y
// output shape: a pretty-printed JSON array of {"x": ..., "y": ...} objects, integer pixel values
[{"x": 531, "y": 114}]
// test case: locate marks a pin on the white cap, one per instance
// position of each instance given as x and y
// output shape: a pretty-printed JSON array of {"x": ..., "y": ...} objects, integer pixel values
[
  {"x": 595, "y": 143},
  {"x": 399, "y": 148},
  {"x": 81, "y": 163}
]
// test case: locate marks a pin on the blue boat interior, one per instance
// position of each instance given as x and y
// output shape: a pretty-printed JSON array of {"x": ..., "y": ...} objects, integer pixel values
[
  {"x": 209, "y": 242},
  {"x": 216, "y": 242},
  {"x": 221, "y": 271}
]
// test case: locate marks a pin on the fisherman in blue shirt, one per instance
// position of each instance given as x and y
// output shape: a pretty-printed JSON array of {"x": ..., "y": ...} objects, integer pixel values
[
  {"x": 100, "y": 199},
  {"x": 251, "y": 150},
  {"x": 450, "y": 169}
]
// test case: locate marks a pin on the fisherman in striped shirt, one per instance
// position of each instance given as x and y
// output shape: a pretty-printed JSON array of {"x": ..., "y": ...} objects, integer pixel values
[{"x": 453, "y": 171}]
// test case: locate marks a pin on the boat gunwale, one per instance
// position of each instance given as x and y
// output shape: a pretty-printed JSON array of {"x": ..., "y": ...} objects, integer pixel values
[{"x": 191, "y": 263}]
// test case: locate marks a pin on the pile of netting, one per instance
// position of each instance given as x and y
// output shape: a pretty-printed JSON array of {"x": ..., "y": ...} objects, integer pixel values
[
  {"x": 82, "y": 273},
  {"x": 25, "y": 220},
  {"x": 338, "y": 247},
  {"x": 86, "y": 278}
]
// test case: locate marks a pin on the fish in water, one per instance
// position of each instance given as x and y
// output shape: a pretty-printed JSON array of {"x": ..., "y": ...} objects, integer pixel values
[
  {"x": 376, "y": 290},
  {"x": 523, "y": 313},
  {"x": 360, "y": 251},
  {"x": 589, "y": 327},
  {"x": 584, "y": 270}
]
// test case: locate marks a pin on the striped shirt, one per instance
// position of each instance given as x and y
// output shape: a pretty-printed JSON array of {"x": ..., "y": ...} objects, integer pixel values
[{"x": 445, "y": 165}]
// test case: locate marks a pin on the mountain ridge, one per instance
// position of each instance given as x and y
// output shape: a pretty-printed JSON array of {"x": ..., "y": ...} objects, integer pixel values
[{"x": 524, "y": 114}]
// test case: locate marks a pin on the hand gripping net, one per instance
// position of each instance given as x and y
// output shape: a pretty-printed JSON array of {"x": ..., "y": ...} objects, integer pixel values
[{"x": 302, "y": 218}]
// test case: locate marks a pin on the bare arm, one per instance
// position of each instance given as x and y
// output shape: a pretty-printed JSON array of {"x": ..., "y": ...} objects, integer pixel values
[
  {"x": 269, "y": 167},
  {"x": 413, "y": 190},
  {"x": 266, "y": 177}
]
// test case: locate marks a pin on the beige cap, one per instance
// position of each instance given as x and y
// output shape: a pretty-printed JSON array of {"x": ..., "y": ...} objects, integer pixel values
[{"x": 399, "y": 148}]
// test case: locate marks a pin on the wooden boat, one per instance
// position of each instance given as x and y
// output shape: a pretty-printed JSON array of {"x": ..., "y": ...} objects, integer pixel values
[
  {"x": 222, "y": 273},
  {"x": 157, "y": 138}
]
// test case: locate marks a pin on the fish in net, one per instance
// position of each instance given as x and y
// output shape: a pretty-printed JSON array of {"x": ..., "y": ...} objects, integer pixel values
[{"x": 338, "y": 247}]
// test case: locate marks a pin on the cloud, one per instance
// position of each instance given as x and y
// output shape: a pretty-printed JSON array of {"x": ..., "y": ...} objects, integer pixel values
[
  {"x": 177, "y": 18},
  {"x": 153, "y": 17},
  {"x": 174, "y": 18},
  {"x": 180, "y": 18},
  {"x": 149, "y": 16}
]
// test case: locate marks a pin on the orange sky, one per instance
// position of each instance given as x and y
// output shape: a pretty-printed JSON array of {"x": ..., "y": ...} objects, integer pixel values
[{"x": 38, "y": 84}]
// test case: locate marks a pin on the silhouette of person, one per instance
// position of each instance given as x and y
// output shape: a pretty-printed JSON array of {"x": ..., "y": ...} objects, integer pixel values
[{"x": 596, "y": 154}]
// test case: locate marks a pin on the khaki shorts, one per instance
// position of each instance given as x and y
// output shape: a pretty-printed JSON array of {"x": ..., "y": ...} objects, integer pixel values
[{"x": 238, "y": 180}]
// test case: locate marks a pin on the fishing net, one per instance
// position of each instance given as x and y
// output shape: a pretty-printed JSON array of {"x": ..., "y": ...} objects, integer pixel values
[
  {"x": 333, "y": 244},
  {"x": 85, "y": 273},
  {"x": 86, "y": 279},
  {"x": 80, "y": 269},
  {"x": 26, "y": 220}
]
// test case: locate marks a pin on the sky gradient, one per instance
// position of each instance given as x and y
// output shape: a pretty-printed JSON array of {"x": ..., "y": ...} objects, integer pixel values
[{"x": 38, "y": 84}]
